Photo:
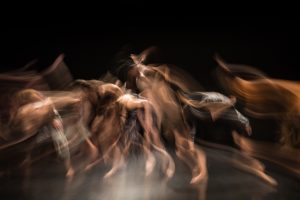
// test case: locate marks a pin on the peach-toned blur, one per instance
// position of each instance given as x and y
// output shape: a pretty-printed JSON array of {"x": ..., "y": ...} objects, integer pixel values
[
  {"x": 87, "y": 123},
  {"x": 266, "y": 98}
]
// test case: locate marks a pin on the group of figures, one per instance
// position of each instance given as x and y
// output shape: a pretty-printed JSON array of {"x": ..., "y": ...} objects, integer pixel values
[{"x": 139, "y": 108}]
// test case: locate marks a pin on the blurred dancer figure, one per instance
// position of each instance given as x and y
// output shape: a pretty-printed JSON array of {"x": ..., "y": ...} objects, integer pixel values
[{"x": 33, "y": 114}]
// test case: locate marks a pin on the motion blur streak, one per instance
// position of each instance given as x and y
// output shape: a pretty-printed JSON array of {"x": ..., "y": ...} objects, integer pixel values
[{"x": 149, "y": 117}]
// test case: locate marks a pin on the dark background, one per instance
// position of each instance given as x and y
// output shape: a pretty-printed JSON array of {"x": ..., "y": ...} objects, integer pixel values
[{"x": 269, "y": 43}]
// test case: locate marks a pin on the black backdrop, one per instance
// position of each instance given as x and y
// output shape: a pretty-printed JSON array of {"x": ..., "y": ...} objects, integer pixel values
[{"x": 190, "y": 42}]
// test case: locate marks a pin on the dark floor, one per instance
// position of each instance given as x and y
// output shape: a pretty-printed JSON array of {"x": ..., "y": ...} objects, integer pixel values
[{"x": 224, "y": 182}]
